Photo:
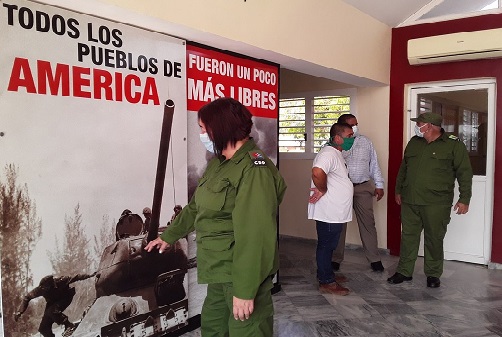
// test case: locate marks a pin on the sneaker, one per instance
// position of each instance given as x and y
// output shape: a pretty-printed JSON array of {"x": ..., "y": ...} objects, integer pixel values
[
  {"x": 377, "y": 266},
  {"x": 333, "y": 288},
  {"x": 335, "y": 265}
]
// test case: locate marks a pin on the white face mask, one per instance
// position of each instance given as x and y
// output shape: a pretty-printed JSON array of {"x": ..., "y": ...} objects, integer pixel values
[
  {"x": 355, "y": 129},
  {"x": 418, "y": 130},
  {"x": 208, "y": 143}
]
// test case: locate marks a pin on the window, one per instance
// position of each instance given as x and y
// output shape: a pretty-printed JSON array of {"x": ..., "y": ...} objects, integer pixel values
[
  {"x": 305, "y": 120},
  {"x": 326, "y": 110},
  {"x": 292, "y": 127}
]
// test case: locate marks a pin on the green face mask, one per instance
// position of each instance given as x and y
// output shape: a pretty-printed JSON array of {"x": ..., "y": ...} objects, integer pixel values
[{"x": 347, "y": 143}]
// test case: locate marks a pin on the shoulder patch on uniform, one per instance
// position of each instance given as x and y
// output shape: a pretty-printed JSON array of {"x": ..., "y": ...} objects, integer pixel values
[
  {"x": 257, "y": 158},
  {"x": 453, "y": 137}
]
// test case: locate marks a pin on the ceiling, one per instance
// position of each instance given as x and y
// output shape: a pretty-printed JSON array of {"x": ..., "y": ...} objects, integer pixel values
[
  {"x": 390, "y": 12},
  {"x": 395, "y": 12}
]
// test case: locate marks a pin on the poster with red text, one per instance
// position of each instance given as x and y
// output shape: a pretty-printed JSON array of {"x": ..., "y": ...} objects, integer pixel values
[
  {"x": 84, "y": 132},
  {"x": 212, "y": 74}
]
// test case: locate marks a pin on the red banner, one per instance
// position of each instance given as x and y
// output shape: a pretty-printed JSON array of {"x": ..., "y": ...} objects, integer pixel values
[{"x": 212, "y": 74}]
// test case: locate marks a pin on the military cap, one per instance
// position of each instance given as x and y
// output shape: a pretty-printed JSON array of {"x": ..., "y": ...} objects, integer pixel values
[{"x": 429, "y": 117}]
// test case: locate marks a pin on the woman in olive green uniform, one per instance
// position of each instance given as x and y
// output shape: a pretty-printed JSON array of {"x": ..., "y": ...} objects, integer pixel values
[{"x": 234, "y": 214}]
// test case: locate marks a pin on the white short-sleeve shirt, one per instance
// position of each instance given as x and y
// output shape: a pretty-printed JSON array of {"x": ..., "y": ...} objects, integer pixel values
[{"x": 336, "y": 205}]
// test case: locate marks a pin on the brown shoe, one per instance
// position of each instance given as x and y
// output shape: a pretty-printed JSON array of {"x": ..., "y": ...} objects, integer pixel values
[
  {"x": 333, "y": 288},
  {"x": 339, "y": 278}
]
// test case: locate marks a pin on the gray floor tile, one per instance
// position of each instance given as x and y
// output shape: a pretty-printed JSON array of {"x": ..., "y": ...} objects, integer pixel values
[{"x": 468, "y": 303}]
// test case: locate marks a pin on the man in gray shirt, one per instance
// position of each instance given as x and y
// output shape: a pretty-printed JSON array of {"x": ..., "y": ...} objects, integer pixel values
[{"x": 362, "y": 164}]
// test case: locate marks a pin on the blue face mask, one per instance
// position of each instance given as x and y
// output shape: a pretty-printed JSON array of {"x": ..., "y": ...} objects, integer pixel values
[{"x": 208, "y": 143}]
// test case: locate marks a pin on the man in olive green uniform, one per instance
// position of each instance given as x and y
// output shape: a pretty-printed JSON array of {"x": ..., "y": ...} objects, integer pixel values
[{"x": 424, "y": 189}]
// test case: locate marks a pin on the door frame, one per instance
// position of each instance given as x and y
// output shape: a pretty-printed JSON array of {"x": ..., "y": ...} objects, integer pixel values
[{"x": 413, "y": 89}]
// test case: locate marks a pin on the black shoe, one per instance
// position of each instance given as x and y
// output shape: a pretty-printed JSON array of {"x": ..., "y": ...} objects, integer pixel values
[
  {"x": 335, "y": 265},
  {"x": 433, "y": 282},
  {"x": 377, "y": 266},
  {"x": 398, "y": 278}
]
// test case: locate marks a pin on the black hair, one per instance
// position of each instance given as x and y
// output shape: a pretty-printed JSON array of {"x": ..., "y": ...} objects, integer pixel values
[
  {"x": 337, "y": 129},
  {"x": 345, "y": 117}
]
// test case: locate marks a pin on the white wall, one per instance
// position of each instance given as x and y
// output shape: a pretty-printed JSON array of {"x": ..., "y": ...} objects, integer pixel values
[
  {"x": 373, "y": 118},
  {"x": 372, "y": 115},
  {"x": 325, "y": 38}
]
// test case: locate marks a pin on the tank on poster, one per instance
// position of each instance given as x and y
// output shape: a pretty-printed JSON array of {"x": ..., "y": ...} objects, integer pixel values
[{"x": 140, "y": 293}]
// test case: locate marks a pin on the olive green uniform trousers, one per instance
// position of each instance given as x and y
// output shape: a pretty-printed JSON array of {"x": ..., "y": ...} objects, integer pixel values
[
  {"x": 217, "y": 319},
  {"x": 433, "y": 220}
]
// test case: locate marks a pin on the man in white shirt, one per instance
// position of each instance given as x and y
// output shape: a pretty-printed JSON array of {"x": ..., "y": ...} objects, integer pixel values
[
  {"x": 362, "y": 163},
  {"x": 330, "y": 203}
]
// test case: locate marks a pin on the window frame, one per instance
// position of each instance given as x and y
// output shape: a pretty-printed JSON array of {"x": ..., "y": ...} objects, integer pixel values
[{"x": 309, "y": 115}]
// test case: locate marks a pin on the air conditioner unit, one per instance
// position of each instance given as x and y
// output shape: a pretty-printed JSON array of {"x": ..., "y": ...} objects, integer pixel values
[{"x": 456, "y": 47}]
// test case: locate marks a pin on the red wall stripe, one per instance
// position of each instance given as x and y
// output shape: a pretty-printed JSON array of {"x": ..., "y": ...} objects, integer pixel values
[{"x": 402, "y": 73}]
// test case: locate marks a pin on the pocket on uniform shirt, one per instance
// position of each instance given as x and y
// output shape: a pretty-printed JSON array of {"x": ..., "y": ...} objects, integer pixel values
[
  {"x": 214, "y": 195},
  {"x": 441, "y": 161},
  {"x": 410, "y": 159},
  {"x": 218, "y": 243}
]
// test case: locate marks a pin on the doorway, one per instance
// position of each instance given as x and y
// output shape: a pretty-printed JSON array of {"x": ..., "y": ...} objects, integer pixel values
[{"x": 468, "y": 111}]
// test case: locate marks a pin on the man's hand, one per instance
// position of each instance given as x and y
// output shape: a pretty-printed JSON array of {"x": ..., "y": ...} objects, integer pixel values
[
  {"x": 379, "y": 193},
  {"x": 461, "y": 208},
  {"x": 315, "y": 196},
  {"x": 242, "y": 308},
  {"x": 398, "y": 199},
  {"x": 17, "y": 315},
  {"x": 159, "y": 244}
]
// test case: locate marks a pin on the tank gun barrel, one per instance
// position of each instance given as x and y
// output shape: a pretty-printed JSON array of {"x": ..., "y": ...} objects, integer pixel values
[{"x": 161, "y": 169}]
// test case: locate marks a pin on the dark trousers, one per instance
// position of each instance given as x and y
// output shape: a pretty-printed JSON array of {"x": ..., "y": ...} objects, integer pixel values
[
  {"x": 328, "y": 235},
  {"x": 54, "y": 314}
]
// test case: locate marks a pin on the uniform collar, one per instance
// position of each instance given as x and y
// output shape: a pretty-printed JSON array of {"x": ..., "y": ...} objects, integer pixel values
[
  {"x": 443, "y": 136},
  {"x": 243, "y": 150}
]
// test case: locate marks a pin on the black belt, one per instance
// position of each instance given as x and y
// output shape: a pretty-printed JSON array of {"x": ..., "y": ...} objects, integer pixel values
[{"x": 364, "y": 182}]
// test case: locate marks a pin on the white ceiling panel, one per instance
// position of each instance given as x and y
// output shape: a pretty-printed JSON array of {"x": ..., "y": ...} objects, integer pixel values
[
  {"x": 395, "y": 12},
  {"x": 390, "y": 12}
]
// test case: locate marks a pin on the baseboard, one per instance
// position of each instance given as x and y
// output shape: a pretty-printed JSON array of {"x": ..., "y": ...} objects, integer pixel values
[
  {"x": 349, "y": 246},
  {"x": 493, "y": 265}
]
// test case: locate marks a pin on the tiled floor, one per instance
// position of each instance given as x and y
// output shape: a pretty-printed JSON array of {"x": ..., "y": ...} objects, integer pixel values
[{"x": 468, "y": 303}]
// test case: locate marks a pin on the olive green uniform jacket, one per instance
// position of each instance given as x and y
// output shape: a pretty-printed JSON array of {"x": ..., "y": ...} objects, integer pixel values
[
  {"x": 428, "y": 171},
  {"x": 234, "y": 213}
]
